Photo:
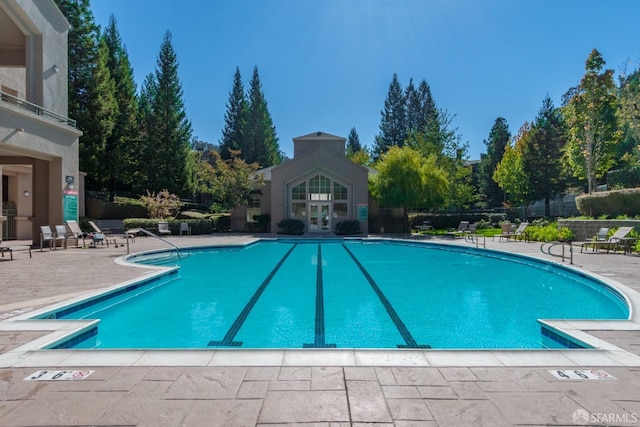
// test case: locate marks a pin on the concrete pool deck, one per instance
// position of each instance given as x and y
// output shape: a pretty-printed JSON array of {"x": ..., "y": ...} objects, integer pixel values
[{"x": 308, "y": 387}]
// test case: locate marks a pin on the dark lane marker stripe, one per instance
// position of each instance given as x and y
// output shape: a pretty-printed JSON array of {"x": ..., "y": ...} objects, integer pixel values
[
  {"x": 319, "y": 335},
  {"x": 406, "y": 335},
  {"x": 228, "y": 341}
]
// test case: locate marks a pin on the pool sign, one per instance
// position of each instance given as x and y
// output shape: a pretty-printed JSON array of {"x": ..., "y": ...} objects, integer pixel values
[
  {"x": 581, "y": 374},
  {"x": 58, "y": 375}
]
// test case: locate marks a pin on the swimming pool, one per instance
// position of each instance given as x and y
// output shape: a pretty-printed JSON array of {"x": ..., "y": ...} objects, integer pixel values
[{"x": 347, "y": 294}]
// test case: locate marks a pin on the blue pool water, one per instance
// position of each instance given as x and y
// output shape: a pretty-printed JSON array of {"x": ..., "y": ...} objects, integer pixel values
[{"x": 348, "y": 294}]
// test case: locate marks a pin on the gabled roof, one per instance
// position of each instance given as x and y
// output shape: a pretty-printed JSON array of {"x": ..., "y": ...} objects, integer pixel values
[{"x": 319, "y": 136}]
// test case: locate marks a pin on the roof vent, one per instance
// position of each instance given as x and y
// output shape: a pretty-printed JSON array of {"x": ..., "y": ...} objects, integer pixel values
[{"x": 318, "y": 133}]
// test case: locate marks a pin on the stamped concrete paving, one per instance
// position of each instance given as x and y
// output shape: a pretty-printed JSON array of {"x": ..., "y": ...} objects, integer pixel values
[{"x": 364, "y": 390}]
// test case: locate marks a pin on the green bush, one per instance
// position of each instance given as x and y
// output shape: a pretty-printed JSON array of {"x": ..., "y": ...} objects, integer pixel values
[
  {"x": 291, "y": 226},
  {"x": 348, "y": 227},
  {"x": 222, "y": 223},
  {"x": 610, "y": 203},
  {"x": 549, "y": 233},
  {"x": 262, "y": 222}
]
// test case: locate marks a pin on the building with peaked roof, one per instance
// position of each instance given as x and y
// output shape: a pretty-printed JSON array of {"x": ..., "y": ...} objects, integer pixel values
[
  {"x": 39, "y": 160},
  {"x": 320, "y": 186}
]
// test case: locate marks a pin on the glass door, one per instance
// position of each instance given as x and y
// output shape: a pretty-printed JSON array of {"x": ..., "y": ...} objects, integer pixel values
[{"x": 319, "y": 217}]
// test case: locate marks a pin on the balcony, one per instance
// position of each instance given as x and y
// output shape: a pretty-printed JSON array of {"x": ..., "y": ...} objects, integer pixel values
[{"x": 36, "y": 109}]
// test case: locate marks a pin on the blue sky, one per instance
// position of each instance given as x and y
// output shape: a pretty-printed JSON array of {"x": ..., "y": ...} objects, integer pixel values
[{"x": 326, "y": 65}]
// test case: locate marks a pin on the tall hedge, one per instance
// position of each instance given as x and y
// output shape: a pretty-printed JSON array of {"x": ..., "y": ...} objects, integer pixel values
[{"x": 611, "y": 203}]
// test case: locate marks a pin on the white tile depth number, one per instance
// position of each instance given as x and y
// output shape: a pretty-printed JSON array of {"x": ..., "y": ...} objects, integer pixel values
[{"x": 58, "y": 375}]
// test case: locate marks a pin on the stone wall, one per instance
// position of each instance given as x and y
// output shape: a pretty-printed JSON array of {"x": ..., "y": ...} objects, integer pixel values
[{"x": 586, "y": 229}]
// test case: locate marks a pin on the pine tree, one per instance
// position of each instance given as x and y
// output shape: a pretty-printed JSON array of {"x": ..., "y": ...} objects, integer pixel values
[
  {"x": 92, "y": 100},
  {"x": 122, "y": 147},
  {"x": 261, "y": 142},
  {"x": 234, "y": 120},
  {"x": 499, "y": 138},
  {"x": 145, "y": 128},
  {"x": 428, "y": 111},
  {"x": 414, "y": 123},
  {"x": 393, "y": 131},
  {"x": 353, "y": 143},
  {"x": 542, "y": 155},
  {"x": 171, "y": 130}
]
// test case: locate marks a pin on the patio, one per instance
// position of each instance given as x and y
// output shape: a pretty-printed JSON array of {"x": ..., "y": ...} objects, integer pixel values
[{"x": 315, "y": 387}]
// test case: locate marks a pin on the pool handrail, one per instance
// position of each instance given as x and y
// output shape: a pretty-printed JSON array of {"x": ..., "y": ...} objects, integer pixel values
[
  {"x": 555, "y": 243},
  {"x": 147, "y": 232}
]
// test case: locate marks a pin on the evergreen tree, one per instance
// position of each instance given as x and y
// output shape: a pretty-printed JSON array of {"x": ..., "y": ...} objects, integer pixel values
[
  {"x": 428, "y": 111},
  {"x": 353, "y": 143},
  {"x": 499, "y": 138},
  {"x": 542, "y": 155},
  {"x": 234, "y": 120},
  {"x": 170, "y": 131},
  {"x": 629, "y": 120},
  {"x": 393, "y": 131},
  {"x": 260, "y": 140},
  {"x": 122, "y": 146},
  {"x": 414, "y": 122},
  {"x": 92, "y": 100}
]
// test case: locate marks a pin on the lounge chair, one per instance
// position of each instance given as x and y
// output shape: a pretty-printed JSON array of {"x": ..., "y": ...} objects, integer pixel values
[
  {"x": 75, "y": 232},
  {"x": 519, "y": 232},
  {"x": 163, "y": 228},
  {"x": 185, "y": 229},
  {"x": 12, "y": 249},
  {"x": 615, "y": 242},
  {"x": 458, "y": 232},
  {"x": 602, "y": 236},
  {"x": 101, "y": 235}
]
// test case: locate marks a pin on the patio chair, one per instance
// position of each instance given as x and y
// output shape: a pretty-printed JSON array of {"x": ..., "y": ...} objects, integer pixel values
[
  {"x": 185, "y": 229},
  {"x": 12, "y": 249},
  {"x": 75, "y": 232},
  {"x": 615, "y": 242},
  {"x": 62, "y": 235},
  {"x": 163, "y": 228},
  {"x": 519, "y": 232},
  {"x": 458, "y": 232},
  {"x": 46, "y": 235}
]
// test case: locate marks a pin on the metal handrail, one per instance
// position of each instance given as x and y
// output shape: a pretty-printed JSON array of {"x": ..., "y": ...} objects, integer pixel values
[
  {"x": 475, "y": 239},
  {"x": 562, "y": 255},
  {"x": 36, "y": 109},
  {"x": 147, "y": 232}
]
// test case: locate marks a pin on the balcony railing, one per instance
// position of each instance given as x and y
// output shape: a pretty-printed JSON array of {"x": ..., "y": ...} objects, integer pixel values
[{"x": 36, "y": 109}]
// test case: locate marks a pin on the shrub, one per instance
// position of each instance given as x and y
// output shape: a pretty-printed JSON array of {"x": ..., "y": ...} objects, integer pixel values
[
  {"x": 222, "y": 223},
  {"x": 610, "y": 203},
  {"x": 291, "y": 226},
  {"x": 550, "y": 233},
  {"x": 348, "y": 227},
  {"x": 262, "y": 222},
  {"x": 162, "y": 205}
]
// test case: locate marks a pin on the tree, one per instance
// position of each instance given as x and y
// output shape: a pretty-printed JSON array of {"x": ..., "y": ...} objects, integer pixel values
[
  {"x": 230, "y": 181},
  {"x": 91, "y": 89},
  {"x": 499, "y": 138},
  {"x": 542, "y": 155},
  {"x": 629, "y": 120},
  {"x": 102, "y": 111},
  {"x": 510, "y": 173},
  {"x": 146, "y": 124},
  {"x": 591, "y": 118},
  {"x": 234, "y": 119},
  {"x": 393, "y": 131},
  {"x": 260, "y": 140},
  {"x": 353, "y": 142},
  {"x": 170, "y": 131},
  {"x": 406, "y": 180},
  {"x": 413, "y": 108},
  {"x": 123, "y": 145}
]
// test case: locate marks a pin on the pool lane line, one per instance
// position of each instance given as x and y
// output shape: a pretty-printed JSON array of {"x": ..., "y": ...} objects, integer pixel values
[
  {"x": 404, "y": 332},
  {"x": 228, "y": 341},
  {"x": 319, "y": 332}
]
